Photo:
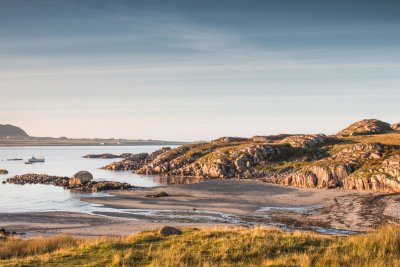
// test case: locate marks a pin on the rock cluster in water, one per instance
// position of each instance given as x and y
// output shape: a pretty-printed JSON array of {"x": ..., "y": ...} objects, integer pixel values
[
  {"x": 157, "y": 195},
  {"x": 89, "y": 186},
  {"x": 32, "y": 178},
  {"x": 96, "y": 186},
  {"x": 107, "y": 156},
  {"x": 316, "y": 161}
]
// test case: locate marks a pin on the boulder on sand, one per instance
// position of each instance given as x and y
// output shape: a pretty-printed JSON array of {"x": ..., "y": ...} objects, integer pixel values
[
  {"x": 3, "y": 171},
  {"x": 396, "y": 126},
  {"x": 168, "y": 230},
  {"x": 80, "y": 178}
]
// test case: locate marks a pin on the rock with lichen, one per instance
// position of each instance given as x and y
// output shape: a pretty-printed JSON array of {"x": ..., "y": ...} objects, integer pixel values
[{"x": 364, "y": 127}]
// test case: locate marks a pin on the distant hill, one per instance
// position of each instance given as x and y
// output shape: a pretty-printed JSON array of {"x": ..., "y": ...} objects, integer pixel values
[
  {"x": 12, "y": 131},
  {"x": 14, "y": 136}
]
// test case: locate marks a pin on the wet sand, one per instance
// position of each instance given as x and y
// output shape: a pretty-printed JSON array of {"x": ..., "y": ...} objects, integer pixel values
[{"x": 216, "y": 203}]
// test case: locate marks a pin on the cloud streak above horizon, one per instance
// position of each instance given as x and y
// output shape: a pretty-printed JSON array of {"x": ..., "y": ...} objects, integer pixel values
[{"x": 181, "y": 72}]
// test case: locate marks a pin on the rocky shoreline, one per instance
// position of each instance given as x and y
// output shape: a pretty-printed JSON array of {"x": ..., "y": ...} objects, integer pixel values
[
  {"x": 4, "y": 234},
  {"x": 90, "y": 186},
  {"x": 107, "y": 156},
  {"x": 131, "y": 161},
  {"x": 347, "y": 160}
]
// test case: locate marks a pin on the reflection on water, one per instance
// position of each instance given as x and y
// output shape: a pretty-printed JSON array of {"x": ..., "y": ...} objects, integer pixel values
[
  {"x": 169, "y": 180},
  {"x": 302, "y": 210},
  {"x": 38, "y": 198}
]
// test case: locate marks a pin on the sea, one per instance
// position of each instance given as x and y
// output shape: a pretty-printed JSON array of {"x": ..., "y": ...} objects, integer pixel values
[{"x": 63, "y": 161}]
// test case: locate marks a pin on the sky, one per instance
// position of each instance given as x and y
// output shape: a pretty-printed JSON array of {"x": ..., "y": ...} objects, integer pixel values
[{"x": 197, "y": 70}]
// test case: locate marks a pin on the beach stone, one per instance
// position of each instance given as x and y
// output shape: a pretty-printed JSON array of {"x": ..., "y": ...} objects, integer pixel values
[
  {"x": 161, "y": 194},
  {"x": 81, "y": 177},
  {"x": 168, "y": 230},
  {"x": 3, "y": 171}
]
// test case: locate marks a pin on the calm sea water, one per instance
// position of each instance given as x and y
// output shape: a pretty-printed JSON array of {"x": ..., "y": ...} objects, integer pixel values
[{"x": 62, "y": 161}]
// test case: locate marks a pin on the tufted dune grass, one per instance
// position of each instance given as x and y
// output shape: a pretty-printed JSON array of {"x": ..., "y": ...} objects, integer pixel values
[{"x": 208, "y": 247}]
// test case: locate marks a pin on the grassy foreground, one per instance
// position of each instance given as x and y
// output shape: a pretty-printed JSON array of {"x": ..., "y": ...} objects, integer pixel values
[{"x": 208, "y": 247}]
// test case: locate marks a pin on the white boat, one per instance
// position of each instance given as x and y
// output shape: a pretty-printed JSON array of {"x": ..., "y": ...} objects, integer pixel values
[{"x": 34, "y": 159}]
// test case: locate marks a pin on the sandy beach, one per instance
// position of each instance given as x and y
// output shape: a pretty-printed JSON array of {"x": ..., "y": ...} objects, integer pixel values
[{"x": 215, "y": 203}]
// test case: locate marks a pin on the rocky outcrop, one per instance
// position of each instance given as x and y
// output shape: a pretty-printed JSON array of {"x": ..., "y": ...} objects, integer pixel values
[
  {"x": 384, "y": 176},
  {"x": 359, "y": 166},
  {"x": 364, "y": 127},
  {"x": 302, "y": 141},
  {"x": 3, "y": 171},
  {"x": 80, "y": 178},
  {"x": 209, "y": 160},
  {"x": 107, "y": 156},
  {"x": 89, "y": 186},
  {"x": 316, "y": 161},
  {"x": 133, "y": 162},
  {"x": 269, "y": 138},
  {"x": 171, "y": 160},
  {"x": 317, "y": 176},
  {"x": 228, "y": 139},
  {"x": 96, "y": 186}
]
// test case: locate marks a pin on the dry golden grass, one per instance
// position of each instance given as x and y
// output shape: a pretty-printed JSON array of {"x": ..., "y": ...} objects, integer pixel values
[
  {"x": 17, "y": 248},
  {"x": 392, "y": 138},
  {"x": 209, "y": 247}
]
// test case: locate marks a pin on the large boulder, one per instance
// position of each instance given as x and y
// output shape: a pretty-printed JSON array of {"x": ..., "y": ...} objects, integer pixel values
[
  {"x": 3, "y": 171},
  {"x": 364, "y": 127},
  {"x": 80, "y": 178},
  {"x": 168, "y": 230},
  {"x": 396, "y": 126}
]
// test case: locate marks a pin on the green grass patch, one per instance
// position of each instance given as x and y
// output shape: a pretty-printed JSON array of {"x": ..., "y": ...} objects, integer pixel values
[{"x": 210, "y": 247}]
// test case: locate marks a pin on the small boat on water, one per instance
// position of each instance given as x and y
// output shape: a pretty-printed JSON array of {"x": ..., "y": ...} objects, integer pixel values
[
  {"x": 34, "y": 160},
  {"x": 16, "y": 159}
]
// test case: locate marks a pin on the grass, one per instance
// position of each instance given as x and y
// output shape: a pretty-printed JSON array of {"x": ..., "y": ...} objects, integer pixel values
[
  {"x": 392, "y": 138},
  {"x": 209, "y": 247}
]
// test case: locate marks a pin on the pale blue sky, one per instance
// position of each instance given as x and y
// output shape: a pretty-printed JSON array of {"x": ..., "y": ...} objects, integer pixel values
[{"x": 191, "y": 70}]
